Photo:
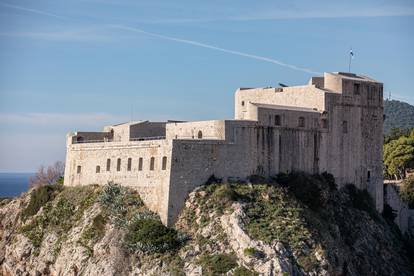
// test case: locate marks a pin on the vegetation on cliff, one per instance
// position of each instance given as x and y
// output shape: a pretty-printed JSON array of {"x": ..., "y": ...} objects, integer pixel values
[
  {"x": 296, "y": 224},
  {"x": 398, "y": 115}
]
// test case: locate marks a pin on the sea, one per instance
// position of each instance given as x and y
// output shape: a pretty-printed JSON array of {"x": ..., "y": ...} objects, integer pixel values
[{"x": 13, "y": 184}]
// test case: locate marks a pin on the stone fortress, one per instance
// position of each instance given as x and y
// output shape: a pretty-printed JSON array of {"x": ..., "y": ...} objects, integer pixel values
[{"x": 333, "y": 124}]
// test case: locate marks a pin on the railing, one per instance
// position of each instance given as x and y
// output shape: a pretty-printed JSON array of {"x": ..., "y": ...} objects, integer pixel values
[
  {"x": 92, "y": 141},
  {"x": 147, "y": 138}
]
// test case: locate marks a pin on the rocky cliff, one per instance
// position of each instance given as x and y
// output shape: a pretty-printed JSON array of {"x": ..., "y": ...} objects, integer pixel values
[{"x": 293, "y": 225}]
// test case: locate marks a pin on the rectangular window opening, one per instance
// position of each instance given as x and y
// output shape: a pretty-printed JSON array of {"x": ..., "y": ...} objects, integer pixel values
[
  {"x": 129, "y": 164},
  {"x": 140, "y": 164},
  {"x": 118, "y": 164}
]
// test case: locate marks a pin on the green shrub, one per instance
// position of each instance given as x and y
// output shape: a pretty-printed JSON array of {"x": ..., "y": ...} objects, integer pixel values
[
  {"x": 217, "y": 264},
  {"x": 95, "y": 231},
  {"x": 39, "y": 197},
  {"x": 361, "y": 199},
  {"x": 407, "y": 191},
  {"x": 60, "y": 215},
  {"x": 120, "y": 204},
  {"x": 150, "y": 235},
  {"x": 307, "y": 188},
  {"x": 253, "y": 252},
  {"x": 242, "y": 271}
]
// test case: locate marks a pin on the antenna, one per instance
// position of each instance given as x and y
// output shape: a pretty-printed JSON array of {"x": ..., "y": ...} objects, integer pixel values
[{"x": 351, "y": 57}]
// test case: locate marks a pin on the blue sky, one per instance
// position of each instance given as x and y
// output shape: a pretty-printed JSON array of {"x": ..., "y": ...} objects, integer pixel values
[{"x": 81, "y": 64}]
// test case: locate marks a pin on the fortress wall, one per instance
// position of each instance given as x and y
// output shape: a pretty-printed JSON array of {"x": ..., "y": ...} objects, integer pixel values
[
  {"x": 151, "y": 185},
  {"x": 355, "y": 156},
  {"x": 255, "y": 150},
  {"x": 189, "y": 130},
  {"x": 289, "y": 118},
  {"x": 298, "y": 96}
]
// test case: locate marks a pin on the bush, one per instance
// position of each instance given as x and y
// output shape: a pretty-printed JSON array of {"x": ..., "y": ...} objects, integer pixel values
[
  {"x": 361, "y": 199},
  {"x": 253, "y": 252},
  {"x": 150, "y": 235},
  {"x": 48, "y": 176},
  {"x": 217, "y": 264},
  {"x": 119, "y": 203},
  {"x": 407, "y": 191},
  {"x": 39, "y": 197},
  {"x": 307, "y": 188}
]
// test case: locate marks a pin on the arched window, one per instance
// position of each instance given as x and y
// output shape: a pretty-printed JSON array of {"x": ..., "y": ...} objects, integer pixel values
[
  {"x": 301, "y": 122},
  {"x": 98, "y": 169},
  {"x": 129, "y": 165},
  {"x": 200, "y": 135},
  {"x": 164, "y": 163},
  {"x": 152, "y": 163},
  {"x": 108, "y": 165},
  {"x": 118, "y": 164},
  {"x": 78, "y": 169},
  {"x": 140, "y": 164},
  {"x": 277, "y": 120},
  {"x": 242, "y": 103}
]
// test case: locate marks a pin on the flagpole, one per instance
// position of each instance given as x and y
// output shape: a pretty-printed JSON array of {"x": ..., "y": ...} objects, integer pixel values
[{"x": 350, "y": 57}]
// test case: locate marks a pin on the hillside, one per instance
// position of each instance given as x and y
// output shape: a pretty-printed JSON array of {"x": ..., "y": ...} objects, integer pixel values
[
  {"x": 294, "y": 225},
  {"x": 398, "y": 115}
]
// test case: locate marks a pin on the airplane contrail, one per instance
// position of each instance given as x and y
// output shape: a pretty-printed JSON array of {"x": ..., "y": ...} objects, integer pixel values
[
  {"x": 32, "y": 10},
  {"x": 203, "y": 45}
]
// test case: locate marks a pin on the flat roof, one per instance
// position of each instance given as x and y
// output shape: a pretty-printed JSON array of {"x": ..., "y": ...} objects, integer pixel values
[{"x": 285, "y": 107}]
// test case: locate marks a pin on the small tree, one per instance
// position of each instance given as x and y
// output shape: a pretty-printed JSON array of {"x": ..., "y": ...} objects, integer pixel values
[
  {"x": 407, "y": 191},
  {"x": 47, "y": 176}
]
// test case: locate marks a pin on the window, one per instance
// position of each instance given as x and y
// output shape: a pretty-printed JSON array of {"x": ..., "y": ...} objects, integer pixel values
[
  {"x": 344, "y": 127},
  {"x": 242, "y": 103},
  {"x": 129, "y": 164},
  {"x": 78, "y": 169},
  {"x": 369, "y": 176},
  {"x": 200, "y": 134},
  {"x": 108, "y": 165},
  {"x": 357, "y": 87},
  {"x": 301, "y": 122},
  {"x": 152, "y": 163},
  {"x": 324, "y": 123},
  {"x": 118, "y": 164},
  {"x": 277, "y": 120},
  {"x": 140, "y": 164},
  {"x": 98, "y": 169},
  {"x": 164, "y": 163}
]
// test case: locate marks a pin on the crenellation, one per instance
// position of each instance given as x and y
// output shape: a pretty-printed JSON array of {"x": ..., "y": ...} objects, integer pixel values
[{"x": 333, "y": 124}]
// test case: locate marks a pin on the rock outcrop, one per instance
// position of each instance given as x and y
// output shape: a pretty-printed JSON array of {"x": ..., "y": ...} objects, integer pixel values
[{"x": 228, "y": 229}]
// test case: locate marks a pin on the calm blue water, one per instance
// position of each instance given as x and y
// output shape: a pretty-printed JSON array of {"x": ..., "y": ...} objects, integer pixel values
[{"x": 13, "y": 184}]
